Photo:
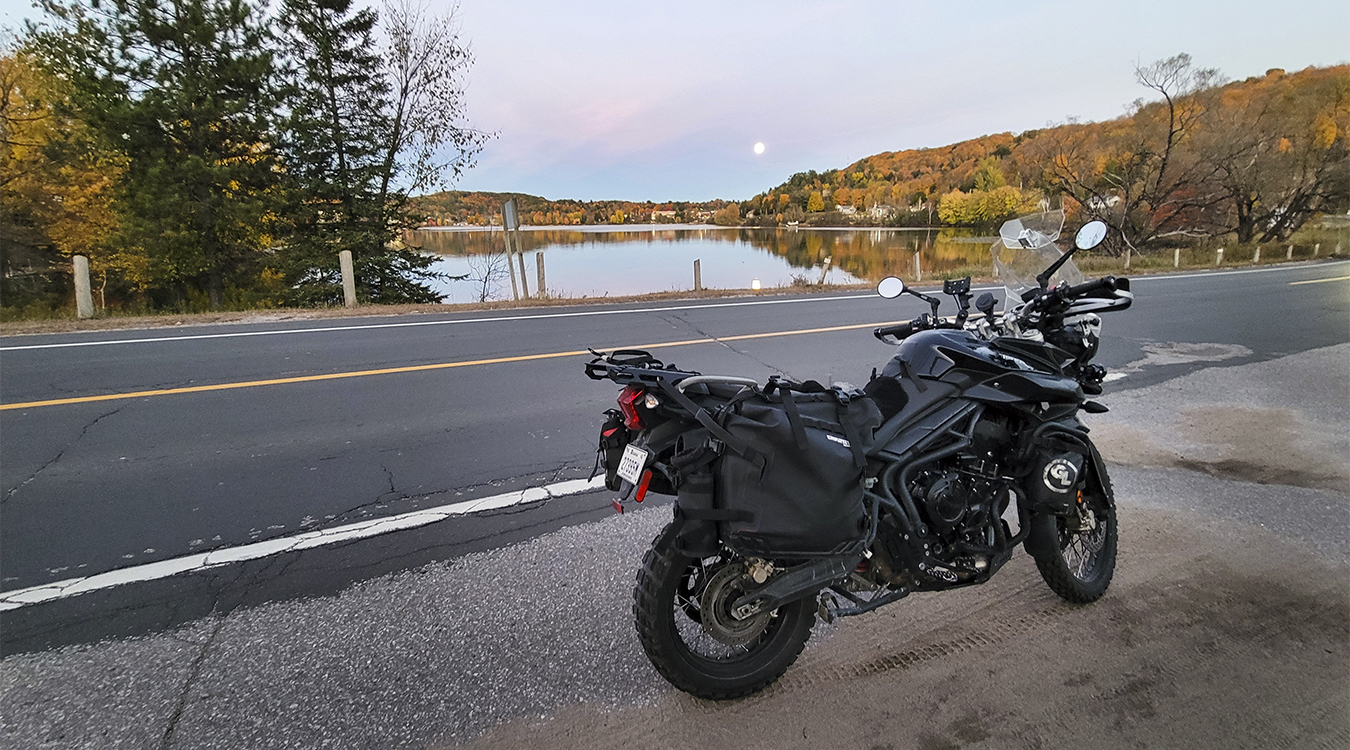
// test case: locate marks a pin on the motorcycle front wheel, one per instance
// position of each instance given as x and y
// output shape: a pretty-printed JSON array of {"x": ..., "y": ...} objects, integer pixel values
[
  {"x": 1076, "y": 554},
  {"x": 681, "y": 606}
]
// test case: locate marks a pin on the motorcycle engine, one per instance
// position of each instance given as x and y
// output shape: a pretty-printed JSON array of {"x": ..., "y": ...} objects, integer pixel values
[
  {"x": 960, "y": 500},
  {"x": 956, "y": 499}
]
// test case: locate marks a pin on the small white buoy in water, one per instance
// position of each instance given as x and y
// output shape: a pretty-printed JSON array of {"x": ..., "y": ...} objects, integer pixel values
[{"x": 754, "y": 284}]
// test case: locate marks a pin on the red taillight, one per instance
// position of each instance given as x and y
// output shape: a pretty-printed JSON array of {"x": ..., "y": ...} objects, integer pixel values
[{"x": 628, "y": 400}]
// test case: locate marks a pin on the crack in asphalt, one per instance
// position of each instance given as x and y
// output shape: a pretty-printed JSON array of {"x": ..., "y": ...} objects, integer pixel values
[
  {"x": 264, "y": 573},
  {"x": 194, "y": 672},
  {"x": 58, "y": 456},
  {"x": 719, "y": 341}
]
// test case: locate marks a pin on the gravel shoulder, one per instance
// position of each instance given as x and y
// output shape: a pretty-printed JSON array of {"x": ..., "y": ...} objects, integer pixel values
[{"x": 1227, "y": 626}]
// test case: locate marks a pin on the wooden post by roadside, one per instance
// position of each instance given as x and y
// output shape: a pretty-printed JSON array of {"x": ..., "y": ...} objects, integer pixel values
[
  {"x": 1256, "y": 256},
  {"x": 84, "y": 299},
  {"x": 918, "y": 271},
  {"x": 509, "y": 219},
  {"x": 520, "y": 258},
  {"x": 698, "y": 277},
  {"x": 539, "y": 264},
  {"x": 511, "y": 265},
  {"x": 348, "y": 278},
  {"x": 1127, "y": 258},
  {"x": 824, "y": 270},
  {"x": 1289, "y": 255}
]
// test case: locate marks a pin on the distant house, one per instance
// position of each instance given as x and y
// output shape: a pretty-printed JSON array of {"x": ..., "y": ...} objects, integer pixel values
[
  {"x": 882, "y": 211},
  {"x": 663, "y": 216},
  {"x": 846, "y": 210}
]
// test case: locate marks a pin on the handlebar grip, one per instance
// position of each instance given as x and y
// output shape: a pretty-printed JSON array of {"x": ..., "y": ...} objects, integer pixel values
[
  {"x": 1106, "y": 282},
  {"x": 899, "y": 330}
]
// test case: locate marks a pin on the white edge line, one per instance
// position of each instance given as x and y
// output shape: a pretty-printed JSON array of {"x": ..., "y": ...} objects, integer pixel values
[
  {"x": 361, "y": 530},
  {"x": 420, "y": 323}
]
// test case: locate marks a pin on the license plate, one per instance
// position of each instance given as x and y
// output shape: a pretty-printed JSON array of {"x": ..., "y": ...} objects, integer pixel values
[{"x": 633, "y": 462}]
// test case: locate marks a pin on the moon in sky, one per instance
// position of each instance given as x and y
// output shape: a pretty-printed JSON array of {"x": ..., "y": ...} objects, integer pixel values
[{"x": 759, "y": 148}]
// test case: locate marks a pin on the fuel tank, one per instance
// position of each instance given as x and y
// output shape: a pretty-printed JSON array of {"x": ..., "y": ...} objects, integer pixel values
[{"x": 1004, "y": 370}]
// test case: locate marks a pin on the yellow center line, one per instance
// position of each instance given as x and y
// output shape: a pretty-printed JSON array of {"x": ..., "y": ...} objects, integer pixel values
[
  {"x": 1319, "y": 281},
  {"x": 413, "y": 368}
]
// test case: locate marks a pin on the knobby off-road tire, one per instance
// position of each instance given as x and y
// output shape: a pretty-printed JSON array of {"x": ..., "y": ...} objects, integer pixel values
[
  {"x": 1078, "y": 566},
  {"x": 666, "y": 629}
]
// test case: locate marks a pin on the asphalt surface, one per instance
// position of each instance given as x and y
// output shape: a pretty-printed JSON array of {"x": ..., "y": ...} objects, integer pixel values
[
  {"x": 1227, "y": 626},
  {"x": 96, "y": 486}
]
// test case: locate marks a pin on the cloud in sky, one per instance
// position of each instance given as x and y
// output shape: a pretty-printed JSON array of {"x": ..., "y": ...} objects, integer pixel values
[{"x": 664, "y": 100}]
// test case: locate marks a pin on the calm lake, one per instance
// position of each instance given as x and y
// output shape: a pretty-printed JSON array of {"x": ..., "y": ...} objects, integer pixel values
[{"x": 617, "y": 261}]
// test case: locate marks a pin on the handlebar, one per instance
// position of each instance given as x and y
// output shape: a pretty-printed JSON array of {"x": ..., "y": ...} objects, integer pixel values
[
  {"x": 1106, "y": 282},
  {"x": 1051, "y": 297},
  {"x": 899, "y": 330}
]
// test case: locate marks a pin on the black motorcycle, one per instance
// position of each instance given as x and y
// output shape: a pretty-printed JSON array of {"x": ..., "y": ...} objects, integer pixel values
[{"x": 796, "y": 499}]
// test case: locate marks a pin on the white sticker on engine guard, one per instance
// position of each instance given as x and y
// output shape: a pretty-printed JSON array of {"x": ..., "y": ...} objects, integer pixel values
[{"x": 839, "y": 440}]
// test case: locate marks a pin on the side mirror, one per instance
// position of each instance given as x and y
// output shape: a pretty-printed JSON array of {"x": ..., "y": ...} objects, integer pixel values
[
  {"x": 891, "y": 287},
  {"x": 1090, "y": 236}
]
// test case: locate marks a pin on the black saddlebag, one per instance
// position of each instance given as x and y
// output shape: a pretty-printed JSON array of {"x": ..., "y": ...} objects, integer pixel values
[
  {"x": 614, "y": 437},
  {"x": 790, "y": 478}
]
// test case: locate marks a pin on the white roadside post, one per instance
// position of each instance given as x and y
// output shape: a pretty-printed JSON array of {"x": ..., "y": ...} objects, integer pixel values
[
  {"x": 698, "y": 276},
  {"x": 1256, "y": 256},
  {"x": 918, "y": 270},
  {"x": 1176, "y": 258},
  {"x": 84, "y": 299},
  {"x": 1218, "y": 257},
  {"x": 348, "y": 278}
]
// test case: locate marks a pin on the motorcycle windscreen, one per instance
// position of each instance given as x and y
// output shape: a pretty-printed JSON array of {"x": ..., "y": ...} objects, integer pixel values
[{"x": 1026, "y": 246}]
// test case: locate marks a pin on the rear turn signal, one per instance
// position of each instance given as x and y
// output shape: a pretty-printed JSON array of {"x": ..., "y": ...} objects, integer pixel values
[{"x": 628, "y": 401}]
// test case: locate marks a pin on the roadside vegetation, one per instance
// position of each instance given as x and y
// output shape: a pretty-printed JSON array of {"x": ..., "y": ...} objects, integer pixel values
[{"x": 218, "y": 154}]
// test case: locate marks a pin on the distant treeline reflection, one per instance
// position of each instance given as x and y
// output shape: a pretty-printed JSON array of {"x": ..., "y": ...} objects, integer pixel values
[{"x": 866, "y": 254}]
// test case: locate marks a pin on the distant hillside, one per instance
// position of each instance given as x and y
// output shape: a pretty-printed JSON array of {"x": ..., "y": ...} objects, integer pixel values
[
  {"x": 458, "y": 207},
  {"x": 1254, "y": 157}
]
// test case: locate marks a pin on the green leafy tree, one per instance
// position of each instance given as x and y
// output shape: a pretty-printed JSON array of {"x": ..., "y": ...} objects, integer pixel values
[
  {"x": 183, "y": 88},
  {"x": 335, "y": 145},
  {"x": 366, "y": 127}
]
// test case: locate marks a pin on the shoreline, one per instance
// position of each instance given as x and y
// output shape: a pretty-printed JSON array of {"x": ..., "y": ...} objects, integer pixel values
[{"x": 172, "y": 320}]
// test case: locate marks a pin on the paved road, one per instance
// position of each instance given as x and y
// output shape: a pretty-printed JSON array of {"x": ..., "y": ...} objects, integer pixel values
[
  {"x": 1227, "y": 626},
  {"x": 96, "y": 485}
]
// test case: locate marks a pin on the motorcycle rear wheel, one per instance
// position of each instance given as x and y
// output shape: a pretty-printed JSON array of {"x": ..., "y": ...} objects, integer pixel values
[
  {"x": 667, "y": 608},
  {"x": 1077, "y": 560}
]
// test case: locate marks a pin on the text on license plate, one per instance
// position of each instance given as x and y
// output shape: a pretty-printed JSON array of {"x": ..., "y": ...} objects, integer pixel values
[{"x": 631, "y": 465}]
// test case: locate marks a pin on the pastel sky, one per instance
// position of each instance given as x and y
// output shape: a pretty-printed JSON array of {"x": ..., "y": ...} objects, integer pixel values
[{"x": 666, "y": 100}]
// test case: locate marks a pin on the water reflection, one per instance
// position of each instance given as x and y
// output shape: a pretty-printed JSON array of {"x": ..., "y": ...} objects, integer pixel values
[{"x": 600, "y": 261}]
